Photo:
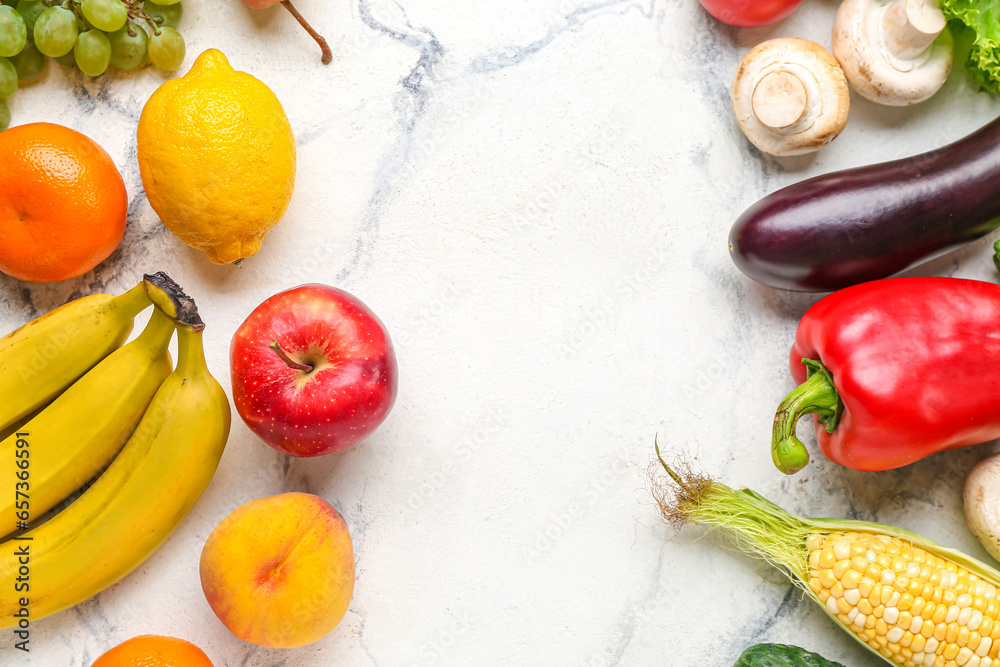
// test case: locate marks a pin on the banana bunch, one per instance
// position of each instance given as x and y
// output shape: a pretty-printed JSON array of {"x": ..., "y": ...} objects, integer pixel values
[{"x": 152, "y": 436}]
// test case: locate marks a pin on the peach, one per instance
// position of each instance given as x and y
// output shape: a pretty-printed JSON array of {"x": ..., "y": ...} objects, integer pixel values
[{"x": 279, "y": 571}]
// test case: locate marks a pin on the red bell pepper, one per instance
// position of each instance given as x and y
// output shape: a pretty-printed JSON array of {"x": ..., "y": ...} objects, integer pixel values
[{"x": 894, "y": 370}]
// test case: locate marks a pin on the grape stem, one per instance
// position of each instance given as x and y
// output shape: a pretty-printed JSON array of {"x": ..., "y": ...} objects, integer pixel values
[{"x": 327, "y": 54}]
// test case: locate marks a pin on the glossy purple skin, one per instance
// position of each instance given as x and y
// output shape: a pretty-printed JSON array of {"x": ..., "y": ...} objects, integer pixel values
[{"x": 872, "y": 222}]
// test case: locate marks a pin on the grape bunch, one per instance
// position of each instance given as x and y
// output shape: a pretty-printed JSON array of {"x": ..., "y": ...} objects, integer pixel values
[{"x": 91, "y": 35}]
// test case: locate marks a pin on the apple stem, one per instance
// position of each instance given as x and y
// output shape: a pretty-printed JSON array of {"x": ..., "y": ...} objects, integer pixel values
[
  {"x": 327, "y": 54},
  {"x": 284, "y": 357}
]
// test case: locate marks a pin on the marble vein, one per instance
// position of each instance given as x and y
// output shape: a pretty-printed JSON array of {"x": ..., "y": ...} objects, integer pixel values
[
  {"x": 573, "y": 20},
  {"x": 410, "y": 104}
]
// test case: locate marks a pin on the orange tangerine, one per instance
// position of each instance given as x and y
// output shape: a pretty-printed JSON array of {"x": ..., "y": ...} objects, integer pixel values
[
  {"x": 154, "y": 651},
  {"x": 62, "y": 203}
]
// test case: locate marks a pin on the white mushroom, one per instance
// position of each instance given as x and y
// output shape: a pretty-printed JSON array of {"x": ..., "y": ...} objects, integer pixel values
[
  {"x": 894, "y": 52},
  {"x": 982, "y": 503},
  {"x": 790, "y": 96}
]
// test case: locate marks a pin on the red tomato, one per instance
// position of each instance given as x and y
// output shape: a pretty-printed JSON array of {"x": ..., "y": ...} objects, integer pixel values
[{"x": 750, "y": 13}]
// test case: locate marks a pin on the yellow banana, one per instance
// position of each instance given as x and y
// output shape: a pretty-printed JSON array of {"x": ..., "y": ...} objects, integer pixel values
[
  {"x": 78, "y": 434},
  {"x": 46, "y": 355},
  {"x": 134, "y": 505}
]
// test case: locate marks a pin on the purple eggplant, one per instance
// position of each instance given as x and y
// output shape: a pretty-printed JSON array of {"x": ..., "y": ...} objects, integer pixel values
[{"x": 872, "y": 222}]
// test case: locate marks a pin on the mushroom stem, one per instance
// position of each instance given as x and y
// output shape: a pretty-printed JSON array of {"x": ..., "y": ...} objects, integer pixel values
[
  {"x": 909, "y": 27},
  {"x": 896, "y": 52},
  {"x": 779, "y": 99}
]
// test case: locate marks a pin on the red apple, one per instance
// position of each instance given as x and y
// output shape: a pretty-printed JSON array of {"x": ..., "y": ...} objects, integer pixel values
[{"x": 313, "y": 371}]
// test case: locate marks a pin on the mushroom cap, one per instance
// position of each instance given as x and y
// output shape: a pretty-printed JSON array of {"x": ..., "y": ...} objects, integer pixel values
[
  {"x": 895, "y": 64},
  {"x": 981, "y": 498},
  {"x": 790, "y": 96}
]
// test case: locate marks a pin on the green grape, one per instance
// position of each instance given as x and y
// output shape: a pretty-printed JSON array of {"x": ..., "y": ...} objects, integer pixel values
[
  {"x": 8, "y": 79},
  {"x": 128, "y": 51},
  {"x": 166, "y": 49},
  {"x": 92, "y": 52},
  {"x": 29, "y": 11},
  {"x": 165, "y": 2},
  {"x": 4, "y": 116},
  {"x": 13, "y": 32},
  {"x": 68, "y": 60},
  {"x": 29, "y": 63},
  {"x": 106, "y": 15},
  {"x": 55, "y": 31},
  {"x": 171, "y": 14}
]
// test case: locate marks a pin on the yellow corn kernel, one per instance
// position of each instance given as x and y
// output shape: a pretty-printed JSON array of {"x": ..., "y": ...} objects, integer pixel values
[
  {"x": 837, "y": 590},
  {"x": 851, "y": 579},
  {"x": 940, "y": 613},
  {"x": 909, "y": 605}
]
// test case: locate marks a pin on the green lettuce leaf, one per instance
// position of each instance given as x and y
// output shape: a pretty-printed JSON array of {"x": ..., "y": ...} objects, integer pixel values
[{"x": 982, "y": 18}]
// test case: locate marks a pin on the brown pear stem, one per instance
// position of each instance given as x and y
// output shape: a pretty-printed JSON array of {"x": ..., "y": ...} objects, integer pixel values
[
  {"x": 284, "y": 357},
  {"x": 327, "y": 54}
]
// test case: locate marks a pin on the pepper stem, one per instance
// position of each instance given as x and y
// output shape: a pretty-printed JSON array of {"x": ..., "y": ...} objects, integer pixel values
[
  {"x": 816, "y": 395},
  {"x": 288, "y": 360},
  {"x": 996, "y": 255}
]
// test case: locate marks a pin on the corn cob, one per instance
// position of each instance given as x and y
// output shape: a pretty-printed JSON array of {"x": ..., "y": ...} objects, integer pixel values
[{"x": 906, "y": 598}]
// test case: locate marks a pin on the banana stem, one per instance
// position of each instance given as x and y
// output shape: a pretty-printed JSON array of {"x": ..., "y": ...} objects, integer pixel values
[
  {"x": 133, "y": 301},
  {"x": 158, "y": 330},
  {"x": 190, "y": 351},
  {"x": 168, "y": 296}
]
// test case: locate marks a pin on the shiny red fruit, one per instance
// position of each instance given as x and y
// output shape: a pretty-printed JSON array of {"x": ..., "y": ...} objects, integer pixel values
[
  {"x": 313, "y": 371},
  {"x": 750, "y": 13}
]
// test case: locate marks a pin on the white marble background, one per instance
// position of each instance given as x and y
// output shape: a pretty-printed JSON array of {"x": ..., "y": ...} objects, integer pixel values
[{"x": 535, "y": 196}]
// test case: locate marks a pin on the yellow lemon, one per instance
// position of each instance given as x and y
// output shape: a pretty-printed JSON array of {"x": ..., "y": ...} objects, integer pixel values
[{"x": 217, "y": 158}]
